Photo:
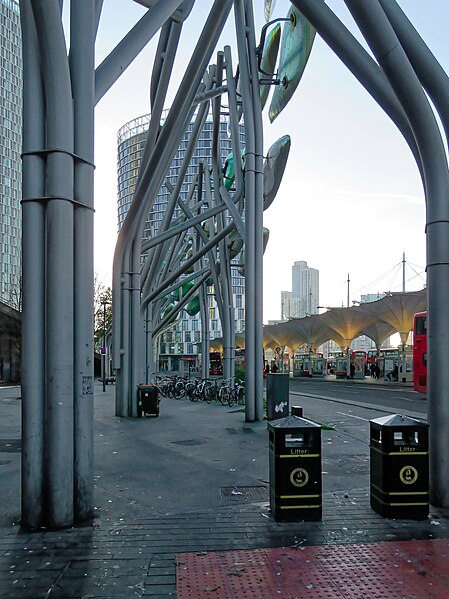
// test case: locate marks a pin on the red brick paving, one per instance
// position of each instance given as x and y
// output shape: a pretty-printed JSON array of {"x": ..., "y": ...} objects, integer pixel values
[{"x": 399, "y": 570}]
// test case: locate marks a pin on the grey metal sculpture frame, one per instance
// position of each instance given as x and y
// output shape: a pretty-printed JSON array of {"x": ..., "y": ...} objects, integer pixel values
[
  {"x": 407, "y": 65},
  {"x": 60, "y": 93}
]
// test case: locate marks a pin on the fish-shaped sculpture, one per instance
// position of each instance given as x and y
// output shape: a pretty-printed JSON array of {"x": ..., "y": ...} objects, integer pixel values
[
  {"x": 296, "y": 43},
  {"x": 268, "y": 61},
  {"x": 273, "y": 169}
]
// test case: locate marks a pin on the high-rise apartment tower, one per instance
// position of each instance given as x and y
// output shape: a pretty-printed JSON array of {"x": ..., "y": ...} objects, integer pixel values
[
  {"x": 10, "y": 149},
  {"x": 305, "y": 288}
]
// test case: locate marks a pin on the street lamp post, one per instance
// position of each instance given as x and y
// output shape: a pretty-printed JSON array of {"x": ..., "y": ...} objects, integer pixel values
[{"x": 103, "y": 349}]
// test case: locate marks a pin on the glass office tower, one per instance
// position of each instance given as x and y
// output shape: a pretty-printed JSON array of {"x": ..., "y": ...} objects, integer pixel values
[{"x": 10, "y": 149}]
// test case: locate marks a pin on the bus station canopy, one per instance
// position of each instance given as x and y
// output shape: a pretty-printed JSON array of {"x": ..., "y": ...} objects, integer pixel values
[{"x": 377, "y": 320}]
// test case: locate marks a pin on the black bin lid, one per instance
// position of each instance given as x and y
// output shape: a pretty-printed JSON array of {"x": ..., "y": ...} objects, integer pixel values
[
  {"x": 397, "y": 421},
  {"x": 292, "y": 422}
]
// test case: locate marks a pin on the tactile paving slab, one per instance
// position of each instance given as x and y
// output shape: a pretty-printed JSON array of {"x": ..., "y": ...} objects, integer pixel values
[{"x": 400, "y": 570}]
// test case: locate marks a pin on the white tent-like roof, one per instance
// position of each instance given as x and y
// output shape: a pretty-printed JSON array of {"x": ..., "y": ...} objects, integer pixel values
[{"x": 377, "y": 320}]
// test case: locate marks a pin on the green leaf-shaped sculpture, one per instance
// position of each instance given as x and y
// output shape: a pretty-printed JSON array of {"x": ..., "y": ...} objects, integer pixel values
[
  {"x": 229, "y": 169},
  {"x": 167, "y": 311},
  {"x": 193, "y": 307},
  {"x": 296, "y": 44},
  {"x": 185, "y": 288}
]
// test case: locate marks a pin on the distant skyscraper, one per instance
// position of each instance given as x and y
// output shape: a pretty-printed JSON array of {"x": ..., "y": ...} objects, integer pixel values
[
  {"x": 10, "y": 149},
  {"x": 305, "y": 288},
  {"x": 286, "y": 297},
  {"x": 371, "y": 297},
  {"x": 290, "y": 306},
  {"x": 363, "y": 342}
]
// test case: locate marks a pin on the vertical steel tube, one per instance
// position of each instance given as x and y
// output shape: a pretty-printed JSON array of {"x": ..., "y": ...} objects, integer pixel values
[
  {"x": 258, "y": 211},
  {"x": 250, "y": 215},
  {"x": 60, "y": 255},
  {"x": 204, "y": 312},
  {"x": 136, "y": 345},
  {"x": 385, "y": 45},
  {"x": 82, "y": 30},
  {"x": 33, "y": 293}
]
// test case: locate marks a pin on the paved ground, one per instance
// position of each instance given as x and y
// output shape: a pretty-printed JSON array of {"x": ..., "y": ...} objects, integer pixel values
[{"x": 192, "y": 485}]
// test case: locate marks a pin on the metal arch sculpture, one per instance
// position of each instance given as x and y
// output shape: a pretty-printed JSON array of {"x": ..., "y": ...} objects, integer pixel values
[
  {"x": 59, "y": 100},
  {"x": 404, "y": 70},
  {"x": 57, "y": 171}
]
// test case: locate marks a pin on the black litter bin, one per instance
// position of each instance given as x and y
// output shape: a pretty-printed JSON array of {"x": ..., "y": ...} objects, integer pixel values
[
  {"x": 295, "y": 469},
  {"x": 277, "y": 395},
  {"x": 399, "y": 467},
  {"x": 148, "y": 402}
]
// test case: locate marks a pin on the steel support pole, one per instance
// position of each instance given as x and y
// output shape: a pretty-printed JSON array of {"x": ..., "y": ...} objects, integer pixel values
[
  {"x": 204, "y": 312},
  {"x": 378, "y": 32},
  {"x": 258, "y": 211},
  {"x": 225, "y": 271},
  {"x": 253, "y": 191},
  {"x": 250, "y": 364},
  {"x": 59, "y": 266},
  {"x": 82, "y": 46},
  {"x": 103, "y": 351},
  {"x": 33, "y": 292}
]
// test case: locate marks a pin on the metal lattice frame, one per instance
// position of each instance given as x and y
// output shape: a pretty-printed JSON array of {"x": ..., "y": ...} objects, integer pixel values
[{"x": 60, "y": 93}]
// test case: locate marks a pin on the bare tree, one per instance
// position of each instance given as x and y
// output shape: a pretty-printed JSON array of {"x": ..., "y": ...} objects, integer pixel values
[{"x": 103, "y": 310}]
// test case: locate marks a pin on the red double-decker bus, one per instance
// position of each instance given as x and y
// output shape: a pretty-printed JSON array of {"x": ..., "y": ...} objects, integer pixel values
[
  {"x": 359, "y": 354},
  {"x": 372, "y": 356},
  {"x": 215, "y": 364},
  {"x": 420, "y": 352}
]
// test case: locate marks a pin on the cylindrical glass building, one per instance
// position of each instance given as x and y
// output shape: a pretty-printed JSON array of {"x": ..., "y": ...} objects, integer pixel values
[{"x": 183, "y": 338}]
